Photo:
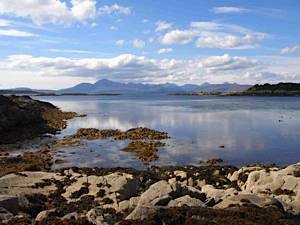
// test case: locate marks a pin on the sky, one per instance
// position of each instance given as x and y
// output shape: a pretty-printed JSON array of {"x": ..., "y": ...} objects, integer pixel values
[{"x": 52, "y": 44}]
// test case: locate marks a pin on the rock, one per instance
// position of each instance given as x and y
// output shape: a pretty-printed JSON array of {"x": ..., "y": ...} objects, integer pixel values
[
  {"x": 116, "y": 186},
  {"x": 141, "y": 212},
  {"x": 10, "y": 203},
  {"x": 217, "y": 194},
  {"x": 124, "y": 205},
  {"x": 5, "y": 215},
  {"x": 44, "y": 214},
  {"x": 186, "y": 201},
  {"x": 98, "y": 217},
  {"x": 283, "y": 184},
  {"x": 71, "y": 216},
  {"x": 243, "y": 199},
  {"x": 162, "y": 201},
  {"x": 123, "y": 184},
  {"x": 190, "y": 182},
  {"x": 25, "y": 118},
  {"x": 23, "y": 183},
  {"x": 128, "y": 204},
  {"x": 157, "y": 190},
  {"x": 181, "y": 174}
]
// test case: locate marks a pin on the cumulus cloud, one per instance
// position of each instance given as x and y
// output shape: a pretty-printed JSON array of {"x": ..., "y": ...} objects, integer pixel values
[
  {"x": 133, "y": 68},
  {"x": 210, "y": 34},
  {"x": 58, "y": 12},
  {"x": 228, "y": 63},
  {"x": 228, "y": 10},
  {"x": 164, "y": 50},
  {"x": 230, "y": 41},
  {"x": 162, "y": 25},
  {"x": 177, "y": 37},
  {"x": 138, "y": 43},
  {"x": 16, "y": 33},
  {"x": 289, "y": 50}
]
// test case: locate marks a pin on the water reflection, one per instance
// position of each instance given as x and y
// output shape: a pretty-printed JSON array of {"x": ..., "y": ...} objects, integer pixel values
[{"x": 250, "y": 128}]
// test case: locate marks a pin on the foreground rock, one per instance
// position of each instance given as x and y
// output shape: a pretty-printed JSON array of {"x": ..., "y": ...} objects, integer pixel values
[
  {"x": 256, "y": 195},
  {"x": 23, "y": 118}
]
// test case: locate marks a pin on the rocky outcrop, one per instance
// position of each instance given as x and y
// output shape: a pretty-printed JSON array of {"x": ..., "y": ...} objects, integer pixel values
[{"x": 22, "y": 118}]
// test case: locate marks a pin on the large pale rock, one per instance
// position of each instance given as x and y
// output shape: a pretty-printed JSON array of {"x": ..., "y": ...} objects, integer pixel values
[
  {"x": 283, "y": 184},
  {"x": 159, "y": 189},
  {"x": 241, "y": 199},
  {"x": 16, "y": 184},
  {"x": 217, "y": 194},
  {"x": 186, "y": 201},
  {"x": 117, "y": 186}
]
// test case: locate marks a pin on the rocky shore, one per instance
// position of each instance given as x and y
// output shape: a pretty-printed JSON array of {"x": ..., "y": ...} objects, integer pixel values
[
  {"x": 32, "y": 193},
  {"x": 23, "y": 118},
  {"x": 256, "y": 194}
]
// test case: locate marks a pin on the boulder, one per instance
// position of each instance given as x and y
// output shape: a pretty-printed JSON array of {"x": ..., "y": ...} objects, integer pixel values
[
  {"x": 244, "y": 199},
  {"x": 44, "y": 214},
  {"x": 186, "y": 201},
  {"x": 98, "y": 217}
]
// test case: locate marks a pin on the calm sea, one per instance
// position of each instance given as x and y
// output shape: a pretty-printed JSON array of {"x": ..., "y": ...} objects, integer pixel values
[{"x": 251, "y": 129}]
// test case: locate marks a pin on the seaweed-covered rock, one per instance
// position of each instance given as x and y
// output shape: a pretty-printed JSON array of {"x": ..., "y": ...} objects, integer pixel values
[{"x": 22, "y": 117}]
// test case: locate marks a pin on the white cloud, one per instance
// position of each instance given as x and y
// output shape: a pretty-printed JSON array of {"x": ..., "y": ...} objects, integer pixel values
[
  {"x": 145, "y": 21},
  {"x": 134, "y": 68},
  {"x": 120, "y": 42},
  {"x": 58, "y": 12},
  {"x": 289, "y": 50},
  {"x": 162, "y": 25},
  {"x": 114, "y": 9},
  {"x": 177, "y": 37},
  {"x": 229, "y": 41},
  {"x": 164, "y": 50},
  {"x": 228, "y": 10},
  {"x": 214, "y": 35},
  {"x": 16, "y": 33},
  {"x": 83, "y": 10},
  {"x": 228, "y": 63},
  {"x": 138, "y": 43}
]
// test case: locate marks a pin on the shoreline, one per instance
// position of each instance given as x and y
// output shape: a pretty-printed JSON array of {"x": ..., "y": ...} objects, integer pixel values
[{"x": 32, "y": 193}]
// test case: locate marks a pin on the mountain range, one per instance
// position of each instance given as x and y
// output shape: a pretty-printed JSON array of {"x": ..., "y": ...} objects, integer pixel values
[{"x": 112, "y": 87}]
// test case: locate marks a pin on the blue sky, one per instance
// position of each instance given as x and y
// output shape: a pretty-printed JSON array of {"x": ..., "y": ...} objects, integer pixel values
[{"x": 59, "y": 43}]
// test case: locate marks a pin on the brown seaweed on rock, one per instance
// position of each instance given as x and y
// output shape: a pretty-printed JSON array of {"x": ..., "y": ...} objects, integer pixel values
[
  {"x": 139, "y": 133},
  {"x": 22, "y": 117},
  {"x": 145, "y": 151}
]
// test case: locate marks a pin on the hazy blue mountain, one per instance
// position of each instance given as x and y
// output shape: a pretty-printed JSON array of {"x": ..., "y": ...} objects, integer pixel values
[{"x": 108, "y": 86}]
